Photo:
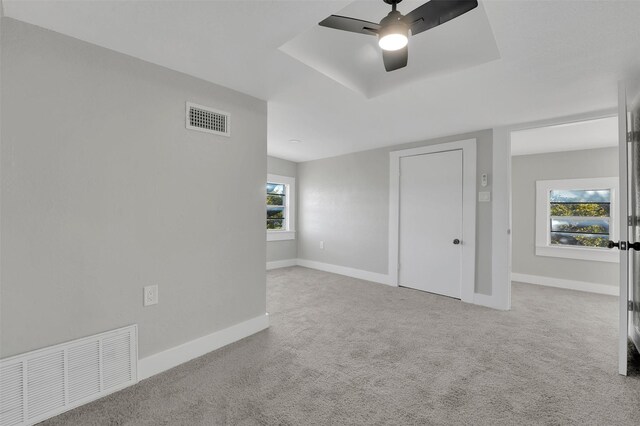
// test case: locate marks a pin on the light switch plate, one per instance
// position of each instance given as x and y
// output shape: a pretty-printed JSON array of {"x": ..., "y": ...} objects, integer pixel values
[
  {"x": 484, "y": 197},
  {"x": 150, "y": 295}
]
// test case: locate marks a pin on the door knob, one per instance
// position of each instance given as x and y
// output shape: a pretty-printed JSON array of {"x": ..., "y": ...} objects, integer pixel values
[
  {"x": 633, "y": 246},
  {"x": 624, "y": 245},
  {"x": 456, "y": 241}
]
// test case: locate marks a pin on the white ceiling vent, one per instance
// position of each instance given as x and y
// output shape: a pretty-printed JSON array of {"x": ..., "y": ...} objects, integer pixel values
[
  {"x": 209, "y": 120},
  {"x": 43, "y": 383}
]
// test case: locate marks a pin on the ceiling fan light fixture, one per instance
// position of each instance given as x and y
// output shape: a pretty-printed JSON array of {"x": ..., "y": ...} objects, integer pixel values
[
  {"x": 394, "y": 33},
  {"x": 393, "y": 41}
]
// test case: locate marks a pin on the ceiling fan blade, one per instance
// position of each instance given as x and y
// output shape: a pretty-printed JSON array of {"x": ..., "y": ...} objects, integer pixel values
[
  {"x": 437, "y": 12},
  {"x": 395, "y": 59},
  {"x": 350, "y": 24}
]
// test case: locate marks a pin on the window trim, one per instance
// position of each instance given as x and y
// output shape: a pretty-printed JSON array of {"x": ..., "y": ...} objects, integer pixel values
[
  {"x": 290, "y": 208},
  {"x": 543, "y": 245}
]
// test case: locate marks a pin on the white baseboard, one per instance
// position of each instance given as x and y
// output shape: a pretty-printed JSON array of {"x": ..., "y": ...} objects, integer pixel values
[
  {"x": 610, "y": 290},
  {"x": 162, "y": 361},
  {"x": 478, "y": 299},
  {"x": 343, "y": 270},
  {"x": 281, "y": 264}
]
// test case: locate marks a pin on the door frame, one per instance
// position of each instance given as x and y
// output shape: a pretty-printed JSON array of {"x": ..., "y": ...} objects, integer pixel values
[
  {"x": 502, "y": 267},
  {"x": 623, "y": 318},
  {"x": 501, "y": 249},
  {"x": 469, "y": 154}
]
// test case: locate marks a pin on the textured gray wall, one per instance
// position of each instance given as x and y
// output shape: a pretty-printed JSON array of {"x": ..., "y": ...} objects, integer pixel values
[
  {"x": 104, "y": 191},
  {"x": 344, "y": 201},
  {"x": 526, "y": 170},
  {"x": 287, "y": 249}
]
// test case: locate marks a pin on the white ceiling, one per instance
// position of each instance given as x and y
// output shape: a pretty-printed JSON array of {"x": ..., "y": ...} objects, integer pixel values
[
  {"x": 557, "y": 58},
  {"x": 599, "y": 133}
]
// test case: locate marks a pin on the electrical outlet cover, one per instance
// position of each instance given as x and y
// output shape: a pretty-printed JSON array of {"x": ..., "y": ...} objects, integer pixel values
[{"x": 150, "y": 295}]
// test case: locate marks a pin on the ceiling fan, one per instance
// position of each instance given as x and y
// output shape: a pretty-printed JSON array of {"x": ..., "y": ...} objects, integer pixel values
[{"x": 393, "y": 29}]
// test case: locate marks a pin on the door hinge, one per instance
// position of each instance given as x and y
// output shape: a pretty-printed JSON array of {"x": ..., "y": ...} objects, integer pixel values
[
  {"x": 630, "y": 305},
  {"x": 629, "y": 221}
]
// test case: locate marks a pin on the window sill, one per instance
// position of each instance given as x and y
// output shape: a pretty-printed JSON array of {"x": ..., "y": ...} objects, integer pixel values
[
  {"x": 598, "y": 255},
  {"x": 281, "y": 235}
]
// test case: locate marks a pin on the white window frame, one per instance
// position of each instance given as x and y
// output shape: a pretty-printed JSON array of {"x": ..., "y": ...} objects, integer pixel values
[
  {"x": 289, "y": 233},
  {"x": 543, "y": 222}
]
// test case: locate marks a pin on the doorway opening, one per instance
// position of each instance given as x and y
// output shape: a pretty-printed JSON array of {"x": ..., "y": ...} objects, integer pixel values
[
  {"x": 567, "y": 213},
  {"x": 565, "y": 206}
]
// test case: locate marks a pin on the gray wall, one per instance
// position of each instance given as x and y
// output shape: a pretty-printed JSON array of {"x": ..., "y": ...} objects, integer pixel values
[
  {"x": 287, "y": 249},
  {"x": 104, "y": 191},
  {"x": 344, "y": 201},
  {"x": 526, "y": 170}
]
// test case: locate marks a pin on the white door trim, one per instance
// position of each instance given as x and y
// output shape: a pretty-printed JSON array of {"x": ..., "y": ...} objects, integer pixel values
[
  {"x": 468, "y": 148},
  {"x": 623, "y": 327},
  {"x": 501, "y": 200}
]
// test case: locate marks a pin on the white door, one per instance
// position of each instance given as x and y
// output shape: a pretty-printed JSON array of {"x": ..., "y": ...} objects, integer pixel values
[
  {"x": 629, "y": 148},
  {"x": 633, "y": 211},
  {"x": 430, "y": 246}
]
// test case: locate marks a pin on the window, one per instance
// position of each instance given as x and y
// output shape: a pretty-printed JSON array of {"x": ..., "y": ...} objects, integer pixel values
[
  {"x": 280, "y": 199},
  {"x": 580, "y": 217},
  {"x": 276, "y": 205},
  {"x": 575, "y": 218}
]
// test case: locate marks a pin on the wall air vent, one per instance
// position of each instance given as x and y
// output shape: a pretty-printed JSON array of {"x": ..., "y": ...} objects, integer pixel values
[
  {"x": 205, "y": 119},
  {"x": 40, "y": 384}
]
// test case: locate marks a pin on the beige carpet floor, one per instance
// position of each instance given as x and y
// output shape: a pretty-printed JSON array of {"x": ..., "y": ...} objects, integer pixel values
[{"x": 342, "y": 351}]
